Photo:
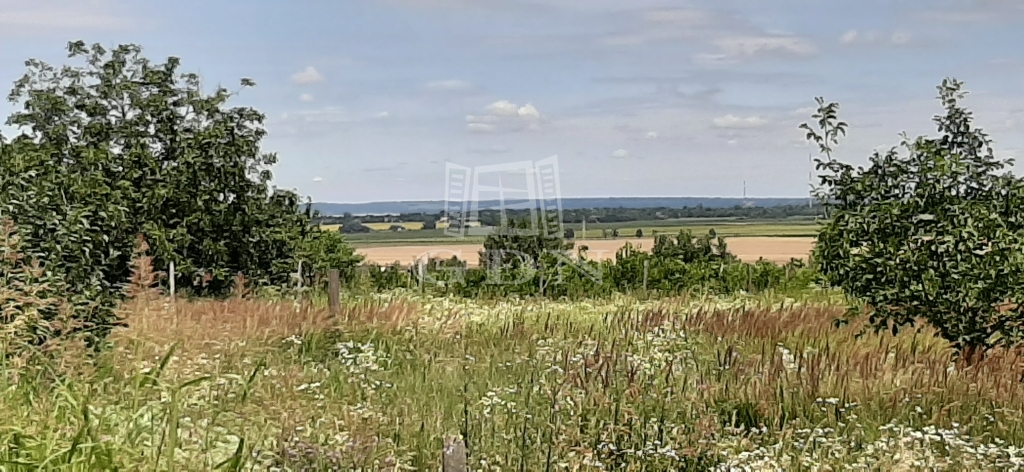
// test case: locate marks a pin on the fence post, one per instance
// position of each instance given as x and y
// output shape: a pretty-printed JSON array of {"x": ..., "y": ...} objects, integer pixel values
[
  {"x": 334, "y": 291},
  {"x": 423, "y": 270},
  {"x": 170, "y": 278},
  {"x": 647, "y": 266},
  {"x": 453, "y": 457}
]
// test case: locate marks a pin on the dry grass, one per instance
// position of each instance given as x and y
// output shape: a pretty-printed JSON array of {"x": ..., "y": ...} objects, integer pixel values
[{"x": 673, "y": 384}]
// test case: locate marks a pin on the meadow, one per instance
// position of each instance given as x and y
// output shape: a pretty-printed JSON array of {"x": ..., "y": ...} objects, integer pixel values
[{"x": 739, "y": 382}]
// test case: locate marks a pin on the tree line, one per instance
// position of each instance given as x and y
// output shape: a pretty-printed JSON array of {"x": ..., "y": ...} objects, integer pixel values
[{"x": 493, "y": 218}]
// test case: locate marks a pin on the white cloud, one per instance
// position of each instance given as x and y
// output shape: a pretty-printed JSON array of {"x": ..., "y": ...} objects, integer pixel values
[
  {"x": 504, "y": 115},
  {"x": 318, "y": 179},
  {"x": 848, "y": 37},
  {"x": 529, "y": 112},
  {"x": 732, "y": 141},
  {"x": 306, "y": 98},
  {"x": 897, "y": 38},
  {"x": 620, "y": 154},
  {"x": 736, "y": 48},
  {"x": 307, "y": 76},
  {"x": 900, "y": 38},
  {"x": 752, "y": 45},
  {"x": 453, "y": 85},
  {"x": 735, "y": 122},
  {"x": 652, "y": 135},
  {"x": 382, "y": 115},
  {"x": 503, "y": 108}
]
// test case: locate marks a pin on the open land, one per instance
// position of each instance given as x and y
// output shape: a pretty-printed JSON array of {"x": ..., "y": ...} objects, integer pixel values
[{"x": 749, "y": 249}]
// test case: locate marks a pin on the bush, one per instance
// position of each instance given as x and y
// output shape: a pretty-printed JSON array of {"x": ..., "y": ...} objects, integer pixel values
[{"x": 935, "y": 232}]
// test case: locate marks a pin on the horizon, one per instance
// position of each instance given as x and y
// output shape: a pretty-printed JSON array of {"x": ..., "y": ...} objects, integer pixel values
[
  {"x": 724, "y": 197},
  {"x": 367, "y": 100}
]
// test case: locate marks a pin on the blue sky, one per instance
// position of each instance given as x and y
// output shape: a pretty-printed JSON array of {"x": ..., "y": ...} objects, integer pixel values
[{"x": 367, "y": 99}]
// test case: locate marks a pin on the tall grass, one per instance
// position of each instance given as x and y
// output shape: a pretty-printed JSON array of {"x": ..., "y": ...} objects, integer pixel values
[{"x": 616, "y": 384}]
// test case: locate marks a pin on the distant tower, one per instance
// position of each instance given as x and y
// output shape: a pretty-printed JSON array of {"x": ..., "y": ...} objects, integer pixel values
[
  {"x": 810, "y": 181},
  {"x": 746, "y": 203}
]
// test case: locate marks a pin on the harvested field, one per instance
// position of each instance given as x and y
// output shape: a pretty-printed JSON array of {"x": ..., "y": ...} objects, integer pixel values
[{"x": 748, "y": 249}]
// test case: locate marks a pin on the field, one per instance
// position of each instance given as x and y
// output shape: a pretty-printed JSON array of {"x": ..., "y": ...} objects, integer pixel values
[
  {"x": 749, "y": 249},
  {"x": 692, "y": 383},
  {"x": 726, "y": 228},
  {"x": 409, "y": 226}
]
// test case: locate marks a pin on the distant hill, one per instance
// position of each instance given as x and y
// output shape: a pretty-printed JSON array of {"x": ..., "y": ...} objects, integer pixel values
[{"x": 435, "y": 206}]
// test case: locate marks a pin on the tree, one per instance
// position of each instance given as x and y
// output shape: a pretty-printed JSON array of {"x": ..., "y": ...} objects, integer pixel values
[
  {"x": 569, "y": 234},
  {"x": 639, "y": 232},
  {"x": 615, "y": 233},
  {"x": 326, "y": 250},
  {"x": 429, "y": 222},
  {"x": 353, "y": 227},
  {"x": 935, "y": 232},
  {"x": 120, "y": 146}
]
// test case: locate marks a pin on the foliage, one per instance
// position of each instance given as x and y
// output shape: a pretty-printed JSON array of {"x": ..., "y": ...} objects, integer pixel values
[
  {"x": 326, "y": 250},
  {"x": 120, "y": 146},
  {"x": 353, "y": 227},
  {"x": 429, "y": 222},
  {"x": 32, "y": 308},
  {"x": 935, "y": 232}
]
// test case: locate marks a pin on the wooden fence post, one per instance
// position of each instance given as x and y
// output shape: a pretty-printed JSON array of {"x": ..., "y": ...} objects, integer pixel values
[
  {"x": 453, "y": 457},
  {"x": 334, "y": 291},
  {"x": 423, "y": 272},
  {"x": 647, "y": 266},
  {"x": 170, "y": 278},
  {"x": 299, "y": 274}
]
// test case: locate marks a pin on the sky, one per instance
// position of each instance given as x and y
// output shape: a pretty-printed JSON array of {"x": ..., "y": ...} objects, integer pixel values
[{"x": 367, "y": 100}]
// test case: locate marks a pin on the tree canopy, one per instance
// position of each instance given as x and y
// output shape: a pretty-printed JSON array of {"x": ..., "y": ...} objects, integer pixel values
[
  {"x": 930, "y": 230},
  {"x": 118, "y": 146}
]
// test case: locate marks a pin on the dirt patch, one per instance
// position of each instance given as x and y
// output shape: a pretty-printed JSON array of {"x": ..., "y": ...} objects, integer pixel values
[{"x": 748, "y": 249}]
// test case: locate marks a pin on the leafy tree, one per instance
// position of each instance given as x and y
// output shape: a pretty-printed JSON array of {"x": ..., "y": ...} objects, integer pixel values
[
  {"x": 326, "y": 250},
  {"x": 569, "y": 234},
  {"x": 429, "y": 222},
  {"x": 639, "y": 232},
  {"x": 119, "y": 146},
  {"x": 354, "y": 227},
  {"x": 615, "y": 233},
  {"x": 935, "y": 232},
  {"x": 687, "y": 249}
]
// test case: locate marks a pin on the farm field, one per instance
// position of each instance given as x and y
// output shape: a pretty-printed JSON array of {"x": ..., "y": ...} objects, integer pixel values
[
  {"x": 749, "y": 249},
  {"x": 726, "y": 228},
  {"x": 691, "y": 383}
]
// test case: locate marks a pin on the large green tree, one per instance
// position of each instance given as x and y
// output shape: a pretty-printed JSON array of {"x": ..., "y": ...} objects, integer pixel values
[
  {"x": 932, "y": 230},
  {"x": 116, "y": 146}
]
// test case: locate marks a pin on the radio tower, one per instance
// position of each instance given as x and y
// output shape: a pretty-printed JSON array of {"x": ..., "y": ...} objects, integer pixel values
[{"x": 810, "y": 182}]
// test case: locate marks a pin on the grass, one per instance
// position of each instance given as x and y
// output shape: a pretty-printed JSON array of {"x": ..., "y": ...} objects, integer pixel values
[{"x": 689, "y": 383}]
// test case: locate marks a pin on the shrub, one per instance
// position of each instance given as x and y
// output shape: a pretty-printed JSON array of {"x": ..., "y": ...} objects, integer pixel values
[{"x": 935, "y": 232}]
